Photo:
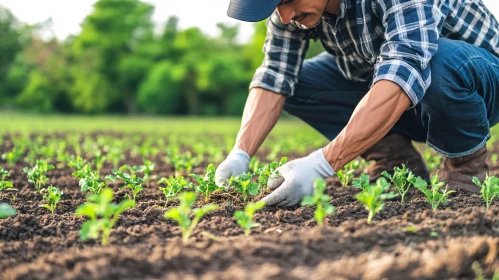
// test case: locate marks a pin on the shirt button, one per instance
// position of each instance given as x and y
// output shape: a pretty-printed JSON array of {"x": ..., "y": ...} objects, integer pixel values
[{"x": 379, "y": 59}]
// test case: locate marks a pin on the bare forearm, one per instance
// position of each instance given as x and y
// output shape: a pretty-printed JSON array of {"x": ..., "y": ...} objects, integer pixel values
[
  {"x": 375, "y": 115},
  {"x": 261, "y": 112}
]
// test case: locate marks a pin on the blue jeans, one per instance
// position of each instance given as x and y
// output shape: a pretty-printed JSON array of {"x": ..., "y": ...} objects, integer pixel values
[{"x": 454, "y": 117}]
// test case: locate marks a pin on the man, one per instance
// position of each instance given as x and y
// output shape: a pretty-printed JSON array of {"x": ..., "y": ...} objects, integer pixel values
[{"x": 394, "y": 71}]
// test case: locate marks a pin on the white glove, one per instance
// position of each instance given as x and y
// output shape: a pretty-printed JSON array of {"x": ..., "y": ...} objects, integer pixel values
[
  {"x": 296, "y": 179},
  {"x": 236, "y": 163}
]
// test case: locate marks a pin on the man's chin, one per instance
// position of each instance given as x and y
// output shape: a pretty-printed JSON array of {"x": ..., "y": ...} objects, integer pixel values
[{"x": 308, "y": 25}]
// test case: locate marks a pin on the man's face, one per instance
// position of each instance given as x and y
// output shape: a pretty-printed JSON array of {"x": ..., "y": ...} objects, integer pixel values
[{"x": 306, "y": 13}]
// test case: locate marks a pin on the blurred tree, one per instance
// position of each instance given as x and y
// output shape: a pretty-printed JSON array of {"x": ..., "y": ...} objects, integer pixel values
[
  {"x": 114, "y": 37},
  {"x": 11, "y": 43}
]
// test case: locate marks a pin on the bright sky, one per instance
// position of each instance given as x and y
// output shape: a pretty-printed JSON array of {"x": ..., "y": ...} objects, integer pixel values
[{"x": 68, "y": 14}]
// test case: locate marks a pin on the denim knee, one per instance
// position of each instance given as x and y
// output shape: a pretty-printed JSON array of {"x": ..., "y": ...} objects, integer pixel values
[{"x": 452, "y": 110}]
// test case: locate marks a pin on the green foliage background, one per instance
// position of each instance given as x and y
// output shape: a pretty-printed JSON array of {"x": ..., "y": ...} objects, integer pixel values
[{"x": 118, "y": 64}]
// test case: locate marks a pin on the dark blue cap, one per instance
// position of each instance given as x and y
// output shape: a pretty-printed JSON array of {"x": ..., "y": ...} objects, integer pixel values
[{"x": 251, "y": 10}]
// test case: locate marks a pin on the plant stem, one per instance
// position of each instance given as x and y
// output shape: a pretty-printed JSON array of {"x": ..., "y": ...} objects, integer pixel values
[{"x": 370, "y": 218}]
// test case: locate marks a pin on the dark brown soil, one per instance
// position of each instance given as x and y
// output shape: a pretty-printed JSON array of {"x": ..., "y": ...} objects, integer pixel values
[{"x": 406, "y": 241}]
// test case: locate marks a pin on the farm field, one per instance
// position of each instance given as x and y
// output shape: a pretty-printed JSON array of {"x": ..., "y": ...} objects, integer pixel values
[{"x": 410, "y": 240}]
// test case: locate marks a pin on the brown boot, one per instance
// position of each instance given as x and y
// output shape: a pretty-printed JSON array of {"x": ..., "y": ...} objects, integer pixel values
[
  {"x": 459, "y": 172},
  {"x": 394, "y": 150}
]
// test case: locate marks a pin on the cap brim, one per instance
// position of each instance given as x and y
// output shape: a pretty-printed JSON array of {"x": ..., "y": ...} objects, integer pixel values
[{"x": 251, "y": 10}]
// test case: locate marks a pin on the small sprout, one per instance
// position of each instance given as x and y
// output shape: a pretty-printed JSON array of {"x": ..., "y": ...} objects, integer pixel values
[
  {"x": 346, "y": 174},
  {"x": 13, "y": 156},
  {"x": 206, "y": 185},
  {"x": 77, "y": 163},
  {"x": 51, "y": 195},
  {"x": 411, "y": 229},
  {"x": 493, "y": 159},
  {"x": 89, "y": 180},
  {"x": 99, "y": 160},
  {"x": 432, "y": 161},
  {"x": 181, "y": 214},
  {"x": 6, "y": 211},
  {"x": 362, "y": 182},
  {"x": 436, "y": 195},
  {"x": 374, "y": 196},
  {"x": 320, "y": 200},
  {"x": 3, "y": 183},
  {"x": 401, "y": 179},
  {"x": 266, "y": 171},
  {"x": 132, "y": 182},
  {"x": 243, "y": 184},
  {"x": 489, "y": 189},
  {"x": 36, "y": 175},
  {"x": 434, "y": 234},
  {"x": 245, "y": 218},
  {"x": 100, "y": 206},
  {"x": 147, "y": 170},
  {"x": 173, "y": 186}
]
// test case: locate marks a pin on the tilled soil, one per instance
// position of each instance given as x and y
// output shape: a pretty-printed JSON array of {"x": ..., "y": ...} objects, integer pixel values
[{"x": 406, "y": 241}]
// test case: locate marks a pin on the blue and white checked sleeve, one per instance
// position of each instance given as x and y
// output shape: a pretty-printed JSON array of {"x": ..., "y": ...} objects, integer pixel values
[
  {"x": 411, "y": 35},
  {"x": 285, "y": 48}
]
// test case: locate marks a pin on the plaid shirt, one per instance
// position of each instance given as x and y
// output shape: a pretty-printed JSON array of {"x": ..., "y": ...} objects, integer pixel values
[{"x": 374, "y": 40}]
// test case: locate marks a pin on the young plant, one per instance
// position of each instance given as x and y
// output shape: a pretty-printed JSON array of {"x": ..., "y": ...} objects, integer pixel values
[
  {"x": 14, "y": 155},
  {"x": 173, "y": 186},
  {"x": 243, "y": 184},
  {"x": 320, "y": 200},
  {"x": 132, "y": 182},
  {"x": 102, "y": 213},
  {"x": 99, "y": 160},
  {"x": 362, "y": 182},
  {"x": 432, "y": 161},
  {"x": 346, "y": 174},
  {"x": 266, "y": 171},
  {"x": 6, "y": 211},
  {"x": 206, "y": 185},
  {"x": 36, "y": 175},
  {"x": 147, "y": 170},
  {"x": 401, "y": 179},
  {"x": 435, "y": 195},
  {"x": 373, "y": 197},
  {"x": 89, "y": 180},
  {"x": 245, "y": 218},
  {"x": 51, "y": 195},
  {"x": 181, "y": 214},
  {"x": 3, "y": 183},
  {"x": 489, "y": 189}
]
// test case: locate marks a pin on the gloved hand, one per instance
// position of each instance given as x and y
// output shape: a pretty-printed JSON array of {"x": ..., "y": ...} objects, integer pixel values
[
  {"x": 296, "y": 179},
  {"x": 236, "y": 163}
]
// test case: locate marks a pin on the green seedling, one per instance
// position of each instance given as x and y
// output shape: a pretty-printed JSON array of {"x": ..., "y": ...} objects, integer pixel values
[
  {"x": 489, "y": 189},
  {"x": 346, "y": 174},
  {"x": 99, "y": 160},
  {"x": 147, "y": 170},
  {"x": 243, "y": 184},
  {"x": 102, "y": 213},
  {"x": 52, "y": 196},
  {"x": 6, "y": 211},
  {"x": 115, "y": 155},
  {"x": 132, "y": 182},
  {"x": 493, "y": 159},
  {"x": 89, "y": 180},
  {"x": 77, "y": 163},
  {"x": 245, "y": 218},
  {"x": 362, "y": 182},
  {"x": 181, "y": 214},
  {"x": 206, "y": 184},
  {"x": 254, "y": 165},
  {"x": 173, "y": 186},
  {"x": 13, "y": 156},
  {"x": 320, "y": 200},
  {"x": 4, "y": 184},
  {"x": 374, "y": 196},
  {"x": 401, "y": 179},
  {"x": 435, "y": 195},
  {"x": 432, "y": 161},
  {"x": 36, "y": 175},
  {"x": 265, "y": 172}
]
